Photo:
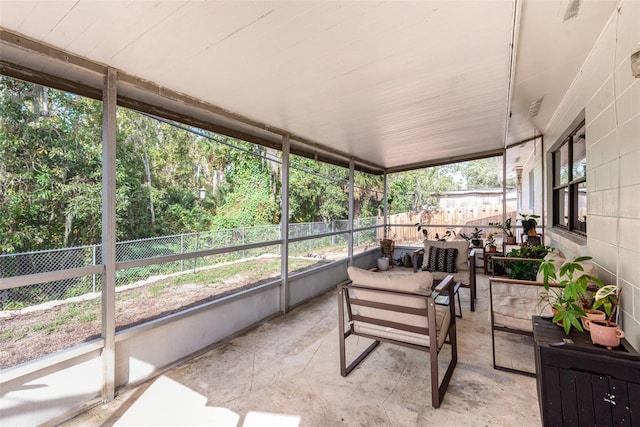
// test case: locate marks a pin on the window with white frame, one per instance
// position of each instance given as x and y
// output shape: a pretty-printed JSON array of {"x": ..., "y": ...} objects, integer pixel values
[{"x": 570, "y": 182}]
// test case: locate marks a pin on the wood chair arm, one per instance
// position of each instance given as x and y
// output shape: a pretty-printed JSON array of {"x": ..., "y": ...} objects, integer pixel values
[
  {"x": 444, "y": 285},
  {"x": 414, "y": 258}
]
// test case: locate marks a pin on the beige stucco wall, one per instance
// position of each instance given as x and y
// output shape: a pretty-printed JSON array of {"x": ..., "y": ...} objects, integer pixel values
[{"x": 610, "y": 97}]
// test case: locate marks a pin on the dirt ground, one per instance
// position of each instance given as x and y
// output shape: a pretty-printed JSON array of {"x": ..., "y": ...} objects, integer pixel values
[{"x": 29, "y": 334}]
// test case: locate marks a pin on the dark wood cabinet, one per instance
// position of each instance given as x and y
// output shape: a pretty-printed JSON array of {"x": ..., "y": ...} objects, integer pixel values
[{"x": 582, "y": 384}]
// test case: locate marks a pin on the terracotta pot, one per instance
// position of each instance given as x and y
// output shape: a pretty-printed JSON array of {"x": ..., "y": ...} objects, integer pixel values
[
  {"x": 608, "y": 336},
  {"x": 493, "y": 249},
  {"x": 592, "y": 314},
  {"x": 511, "y": 240},
  {"x": 383, "y": 264}
]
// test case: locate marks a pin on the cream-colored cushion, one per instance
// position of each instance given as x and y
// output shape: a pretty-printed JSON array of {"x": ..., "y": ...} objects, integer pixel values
[
  {"x": 462, "y": 262},
  {"x": 417, "y": 283},
  {"x": 460, "y": 276},
  {"x": 443, "y": 320}
]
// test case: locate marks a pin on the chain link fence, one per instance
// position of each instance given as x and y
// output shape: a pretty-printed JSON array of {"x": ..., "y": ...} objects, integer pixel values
[{"x": 12, "y": 265}]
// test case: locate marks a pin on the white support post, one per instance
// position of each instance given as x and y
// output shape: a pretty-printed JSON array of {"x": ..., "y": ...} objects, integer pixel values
[
  {"x": 386, "y": 209},
  {"x": 504, "y": 187},
  {"x": 109, "y": 101},
  {"x": 284, "y": 230},
  {"x": 543, "y": 190},
  {"x": 351, "y": 208}
]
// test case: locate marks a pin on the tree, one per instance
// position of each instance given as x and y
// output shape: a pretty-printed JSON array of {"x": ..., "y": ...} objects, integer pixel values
[{"x": 50, "y": 179}]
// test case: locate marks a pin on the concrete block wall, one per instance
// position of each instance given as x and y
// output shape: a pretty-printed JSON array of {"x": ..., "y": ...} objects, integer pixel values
[{"x": 610, "y": 97}]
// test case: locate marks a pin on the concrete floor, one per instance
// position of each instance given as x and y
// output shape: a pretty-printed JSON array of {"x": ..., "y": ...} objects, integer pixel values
[{"x": 286, "y": 373}]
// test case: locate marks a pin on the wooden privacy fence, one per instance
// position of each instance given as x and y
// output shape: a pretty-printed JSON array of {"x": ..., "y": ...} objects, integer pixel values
[{"x": 403, "y": 225}]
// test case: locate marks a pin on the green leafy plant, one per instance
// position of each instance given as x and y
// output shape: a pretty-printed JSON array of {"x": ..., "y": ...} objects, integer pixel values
[
  {"x": 386, "y": 246},
  {"x": 449, "y": 233},
  {"x": 529, "y": 223},
  {"x": 530, "y": 217},
  {"x": 504, "y": 226},
  {"x": 608, "y": 298},
  {"x": 421, "y": 226},
  {"x": 570, "y": 298},
  {"x": 491, "y": 240},
  {"x": 475, "y": 237},
  {"x": 526, "y": 270}
]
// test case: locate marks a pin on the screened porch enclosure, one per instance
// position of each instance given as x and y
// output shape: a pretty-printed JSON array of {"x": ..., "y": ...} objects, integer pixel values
[
  {"x": 351, "y": 105},
  {"x": 161, "y": 277}
]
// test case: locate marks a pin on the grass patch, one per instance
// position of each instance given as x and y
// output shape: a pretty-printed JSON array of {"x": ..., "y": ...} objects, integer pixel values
[
  {"x": 157, "y": 290},
  {"x": 212, "y": 274},
  {"x": 255, "y": 269},
  {"x": 6, "y": 336},
  {"x": 87, "y": 317},
  {"x": 126, "y": 296}
]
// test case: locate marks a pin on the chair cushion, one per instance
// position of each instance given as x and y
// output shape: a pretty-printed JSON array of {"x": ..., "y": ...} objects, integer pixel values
[
  {"x": 461, "y": 245},
  {"x": 460, "y": 276},
  {"x": 443, "y": 320},
  {"x": 418, "y": 283},
  {"x": 442, "y": 259}
]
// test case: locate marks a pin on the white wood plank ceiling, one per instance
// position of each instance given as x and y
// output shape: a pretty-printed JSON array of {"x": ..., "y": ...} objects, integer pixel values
[{"x": 394, "y": 84}]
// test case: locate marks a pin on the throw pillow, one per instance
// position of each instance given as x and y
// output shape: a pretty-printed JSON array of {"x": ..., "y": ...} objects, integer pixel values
[{"x": 442, "y": 259}]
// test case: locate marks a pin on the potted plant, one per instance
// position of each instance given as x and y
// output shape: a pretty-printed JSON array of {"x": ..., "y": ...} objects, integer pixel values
[
  {"x": 570, "y": 299},
  {"x": 422, "y": 227},
  {"x": 475, "y": 238},
  {"x": 386, "y": 258},
  {"x": 506, "y": 229},
  {"x": 491, "y": 242},
  {"x": 606, "y": 332},
  {"x": 446, "y": 236},
  {"x": 529, "y": 224}
]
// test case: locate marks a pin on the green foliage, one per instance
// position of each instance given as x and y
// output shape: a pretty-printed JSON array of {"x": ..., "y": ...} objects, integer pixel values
[
  {"x": 608, "y": 298},
  {"x": 476, "y": 234},
  {"x": 504, "y": 226},
  {"x": 50, "y": 150},
  {"x": 526, "y": 270},
  {"x": 568, "y": 314},
  {"x": 569, "y": 300},
  {"x": 318, "y": 191},
  {"x": 51, "y": 177},
  {"x": 419, "y": 189},
  {"x": 156, "y": 290}
]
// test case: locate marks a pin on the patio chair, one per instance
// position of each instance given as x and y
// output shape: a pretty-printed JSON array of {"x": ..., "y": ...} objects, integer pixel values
[
  {"x": 463, "y": 268},
  {"x": 400, "y": 309}
]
